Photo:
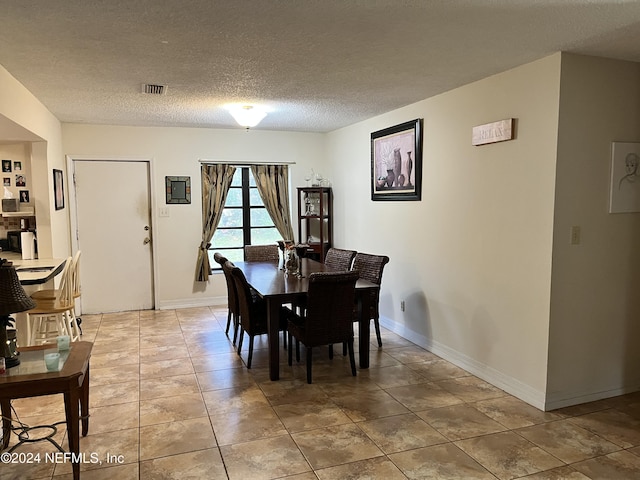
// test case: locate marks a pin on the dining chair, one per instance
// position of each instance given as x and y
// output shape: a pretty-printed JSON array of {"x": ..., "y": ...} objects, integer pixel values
[
  {"x": 253, "y": 311},
  {"x": 74, "y": 321},
  {"x": 370, "y": 268},
  {"x": 52, "y": 317},
  {"x": 328, "y": 318},
  {"x": 261, "y": 253},
  {"x": 339, "y": 259},
  {"x": 232, "y": 298}
]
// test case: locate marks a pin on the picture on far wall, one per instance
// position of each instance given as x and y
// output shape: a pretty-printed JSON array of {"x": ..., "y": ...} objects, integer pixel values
[
  {"x": 21, "y": 181},
  {"x": 6, "y": 165},
  {"x": 58, "y": 189},
  {"x": 17, "y": 166},
  {"x": 24, "y": 196},
  {"x": 625, "y": 178},
  {"x": 178, "y": 189},
  {"x": 396, "y": 162},
  {"x": 6, "y": 181}
]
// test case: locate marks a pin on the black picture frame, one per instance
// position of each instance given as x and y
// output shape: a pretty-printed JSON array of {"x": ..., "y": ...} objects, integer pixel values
[
  {"x": 178, "y": 189},
  {"x": 396, "y": 162},
  {"x": 58, "y": 189}
]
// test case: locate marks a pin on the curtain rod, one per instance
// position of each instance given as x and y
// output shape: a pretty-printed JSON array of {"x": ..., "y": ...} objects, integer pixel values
[{"x": 243, "y": 163}]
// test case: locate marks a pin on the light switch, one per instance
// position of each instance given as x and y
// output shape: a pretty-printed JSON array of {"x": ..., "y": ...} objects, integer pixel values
[
  {"x": 575, "y": 235},
  {"x": 163, "y": 212}
]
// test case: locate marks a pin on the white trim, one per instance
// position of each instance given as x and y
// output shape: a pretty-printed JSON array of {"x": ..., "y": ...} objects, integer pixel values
[
  {"x": 192, "y": 302},
  {"x": 152, "y": 205},
  {"x": 243, "y": 163},
  {"x": 509, "y": 384}
]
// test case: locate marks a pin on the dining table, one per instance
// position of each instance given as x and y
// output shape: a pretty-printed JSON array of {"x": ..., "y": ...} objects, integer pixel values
[{"x": 278, "y": 288}]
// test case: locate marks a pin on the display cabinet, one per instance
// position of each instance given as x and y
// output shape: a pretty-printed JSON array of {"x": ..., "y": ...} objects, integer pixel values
[{"x": 315, "y": 220}]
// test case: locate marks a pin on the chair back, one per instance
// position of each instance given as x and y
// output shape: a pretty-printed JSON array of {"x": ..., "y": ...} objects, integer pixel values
[
  {"x": 232, "y": 295},
  {"x": 370, "y": 267},
  {"x": 219, "y": 259},
  {"x": 261, "y": 253},
  {"x": 253, "y": 316},
  {"x": 75, "y": 280},
  {"x": 64, "y": 294},
  {"x": 330, "y": 311},
  {"x": 339, "y": 259}
]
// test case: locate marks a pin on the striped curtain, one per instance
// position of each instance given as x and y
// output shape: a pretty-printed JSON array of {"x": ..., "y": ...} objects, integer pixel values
[
  {"x": 216, "y": 180},
  {"x": 273, "y": 185}
]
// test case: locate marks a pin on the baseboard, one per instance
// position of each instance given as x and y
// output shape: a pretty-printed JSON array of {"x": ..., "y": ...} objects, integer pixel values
[
  {"x": 192, "y": 302},
  {"x": 555, "y": 401},
  {"x": 496, "y": 378}
]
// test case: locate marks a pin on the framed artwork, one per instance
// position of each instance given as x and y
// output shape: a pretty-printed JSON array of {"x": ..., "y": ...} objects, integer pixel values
[
  {"x": 24, "y": 196},
  {"x": 17, "y": 166},
  {"x": 58, "y": 189},
  {"x": 6, "y": 165},
  {"x": 178, "y": 189},
  {"x": 625, "y": 178},
  {"x": 6, "y": 181},
  {"x": 21, "y": 181},
  {"x": 396, "y": 162}
]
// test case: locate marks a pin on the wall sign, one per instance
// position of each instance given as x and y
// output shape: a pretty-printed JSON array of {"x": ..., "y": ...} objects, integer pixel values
[{"x": 494, "y": 132}]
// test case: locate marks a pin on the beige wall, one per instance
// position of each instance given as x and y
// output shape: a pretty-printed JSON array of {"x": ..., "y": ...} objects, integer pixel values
[
  {"x": 595, "y": 308},
  {"x": 177, "y": 151},
  {"x": 472, "y": 260}
]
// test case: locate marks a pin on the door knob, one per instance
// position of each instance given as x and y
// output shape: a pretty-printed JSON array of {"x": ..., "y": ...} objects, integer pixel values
[{"x": 146, "y": 228}]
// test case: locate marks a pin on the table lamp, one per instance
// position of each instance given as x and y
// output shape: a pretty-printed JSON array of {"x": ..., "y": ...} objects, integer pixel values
[{"x": 13, "y": 299}]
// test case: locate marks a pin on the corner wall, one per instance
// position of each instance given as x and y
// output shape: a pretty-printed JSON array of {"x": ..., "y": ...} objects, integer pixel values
[
  {"x": 472, "y": 260},
  {"x": 34, "y": 123},
  {"x": 595, "y": 300}
]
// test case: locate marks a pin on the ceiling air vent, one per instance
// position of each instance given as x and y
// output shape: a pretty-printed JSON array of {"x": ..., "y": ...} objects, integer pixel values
[{"x": 154, "y": 89}]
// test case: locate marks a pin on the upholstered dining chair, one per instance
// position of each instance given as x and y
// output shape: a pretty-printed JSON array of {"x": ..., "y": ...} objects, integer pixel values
[
  {"x": 370, "y": 268},
  {"x": 339, "y": 259},
  {"x": 233, "y": 314},
  {"x": 253, "y": 311},
  {"x": 328, "y": 318},
  {"x": 261, "y": 253}
]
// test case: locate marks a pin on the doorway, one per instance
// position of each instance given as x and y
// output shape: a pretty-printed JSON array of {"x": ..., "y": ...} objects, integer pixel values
[{"x": 110, "y": 204}]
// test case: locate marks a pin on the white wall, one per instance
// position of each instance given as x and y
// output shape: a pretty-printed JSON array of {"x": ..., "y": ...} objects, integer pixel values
[
  {"x": 472, "y": 260},
  {"x": 177, "y": 151},
  {"x": 595, "y": 309}
]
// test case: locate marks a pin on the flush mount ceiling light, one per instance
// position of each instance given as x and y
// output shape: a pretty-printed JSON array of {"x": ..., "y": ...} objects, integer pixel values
[{"x": 247, "y": 115}]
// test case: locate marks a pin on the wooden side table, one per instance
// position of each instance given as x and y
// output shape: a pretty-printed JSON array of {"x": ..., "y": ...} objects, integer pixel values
[{"x": 31, "y": 379}]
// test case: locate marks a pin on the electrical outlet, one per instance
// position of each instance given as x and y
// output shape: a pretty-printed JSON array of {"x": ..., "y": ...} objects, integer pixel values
[
  {"x": 575, "y": 235},
  {"x": 402, "y": 305}
]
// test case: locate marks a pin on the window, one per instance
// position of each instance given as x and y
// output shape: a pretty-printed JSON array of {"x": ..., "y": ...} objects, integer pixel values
[{"x": 244, "y": 220}]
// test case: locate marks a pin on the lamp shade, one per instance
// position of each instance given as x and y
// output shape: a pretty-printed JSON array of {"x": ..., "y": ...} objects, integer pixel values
[
  {"x": 13, "y": 298},
  {"x": 247, "y": 115}
]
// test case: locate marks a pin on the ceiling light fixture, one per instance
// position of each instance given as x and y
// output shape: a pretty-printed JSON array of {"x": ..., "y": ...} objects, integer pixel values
[{"x": 247, "y": 115}]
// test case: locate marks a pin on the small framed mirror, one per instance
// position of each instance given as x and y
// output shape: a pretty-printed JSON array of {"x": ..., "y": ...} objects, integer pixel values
[{"x": 178, "y": 189}]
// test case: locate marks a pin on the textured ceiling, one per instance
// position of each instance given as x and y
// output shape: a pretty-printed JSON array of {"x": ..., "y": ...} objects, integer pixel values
[{"x": 316, "y": 65}]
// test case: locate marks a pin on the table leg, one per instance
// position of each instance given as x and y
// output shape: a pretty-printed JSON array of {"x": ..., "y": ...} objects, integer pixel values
[
  {"x": 273, "y": 323},
  {"x": 71, "y": 407},
  {"x": 84, "y": 403},
  {"x": 6, "y": 422},
  {"x": 364, "y": 323}
]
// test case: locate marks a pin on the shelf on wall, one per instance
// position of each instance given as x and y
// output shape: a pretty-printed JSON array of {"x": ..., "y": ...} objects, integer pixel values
[{"x": 26, "y": 212}]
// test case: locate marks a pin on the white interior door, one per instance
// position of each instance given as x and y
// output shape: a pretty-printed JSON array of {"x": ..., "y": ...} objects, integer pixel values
[{"x": 113, "y": 218}]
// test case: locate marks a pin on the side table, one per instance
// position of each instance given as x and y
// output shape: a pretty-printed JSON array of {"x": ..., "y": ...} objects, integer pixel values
[{"x": 31, "y": 379}]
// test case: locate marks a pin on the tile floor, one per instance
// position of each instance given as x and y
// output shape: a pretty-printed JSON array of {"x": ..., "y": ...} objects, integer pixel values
[{"x": 170, "y": 399}]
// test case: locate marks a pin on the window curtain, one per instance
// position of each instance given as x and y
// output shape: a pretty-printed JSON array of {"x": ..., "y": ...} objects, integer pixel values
[
  {"x": 216, "y": 180},
  {"x": 273, "y": 185}
]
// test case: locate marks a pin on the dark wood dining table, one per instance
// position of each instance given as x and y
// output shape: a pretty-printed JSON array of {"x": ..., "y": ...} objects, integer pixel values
[{"x": 278, "y": 288}]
